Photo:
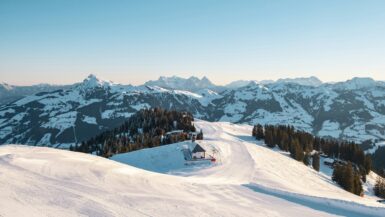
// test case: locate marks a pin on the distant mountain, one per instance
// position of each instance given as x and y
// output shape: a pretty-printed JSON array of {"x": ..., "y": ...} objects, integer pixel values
[
  {"x": 351, "y": 110},
  {"x": 10, "y": 93},
  {"x": 190, "y": 84},
  {"x": 306, "y": 81},
  {"x": 238, "y": 84},
  {"x": 63, "y": 117}
]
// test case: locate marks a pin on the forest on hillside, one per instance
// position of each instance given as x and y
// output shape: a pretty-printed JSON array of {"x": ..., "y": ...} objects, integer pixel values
[
  {"x": 350, "y": 168},
  {"x": 145, "y": 129}
]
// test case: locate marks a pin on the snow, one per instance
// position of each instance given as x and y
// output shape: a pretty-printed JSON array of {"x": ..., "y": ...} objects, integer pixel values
[
  {"x": 207, "y": 96},
  {"x": 238, "y": 84},
  {"x": 330, "y": 128},
  {"x": 234, "y": 112},
  {"x": 62, "y": 121},
  {"x": 164, "y": 159},
  {"x": 243, "y": 163},
  {"x": 6, "y": 111},
  {"x": 45, "y": 140},
  {"x": 309, "y": 81},
  {"x": 107, "y": 114},
  {"x": 178, "y": 83},
  {"x": 357, "y": 83},
  {"x": 375, "y": 147},
  {"x": 5, "y": 132},
  {"x": 92, "y": 81},
  {"x": 140, "y": 106},
  {"x": 89, "y": 120},
  {"x": 248, "y": 179}
]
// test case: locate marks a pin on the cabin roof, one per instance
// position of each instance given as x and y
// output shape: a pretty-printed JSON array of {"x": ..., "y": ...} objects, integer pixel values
[
  {"x": 198, "y": 148},
  {"x": 174, "y": 132}
]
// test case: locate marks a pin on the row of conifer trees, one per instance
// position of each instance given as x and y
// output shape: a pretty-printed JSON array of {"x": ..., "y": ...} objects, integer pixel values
[{"x": 307, "y": 148}]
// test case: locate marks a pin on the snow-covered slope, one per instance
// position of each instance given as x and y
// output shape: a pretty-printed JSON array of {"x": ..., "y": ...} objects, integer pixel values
[
  {"x": 248, "y": 180},
  {"x": 243, "y": 162}
]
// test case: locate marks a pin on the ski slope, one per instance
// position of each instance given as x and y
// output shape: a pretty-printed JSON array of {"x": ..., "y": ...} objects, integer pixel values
[{"x": 247, "y": 180}]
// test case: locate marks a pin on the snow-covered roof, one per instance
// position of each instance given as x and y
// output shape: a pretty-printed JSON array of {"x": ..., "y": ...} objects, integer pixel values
[{"x": 174, "y": 131}]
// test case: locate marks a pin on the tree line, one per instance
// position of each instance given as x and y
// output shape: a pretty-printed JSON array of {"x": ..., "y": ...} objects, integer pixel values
[
  {"x": 306, "y": 148},
  {"x": 145, "y": 129},
  {"x": 379, "y": 161}
]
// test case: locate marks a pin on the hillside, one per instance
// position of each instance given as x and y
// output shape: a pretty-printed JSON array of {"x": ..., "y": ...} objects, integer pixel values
[
  {"x": 10, "y": 93},
  {"x": 249, "y": 179}
]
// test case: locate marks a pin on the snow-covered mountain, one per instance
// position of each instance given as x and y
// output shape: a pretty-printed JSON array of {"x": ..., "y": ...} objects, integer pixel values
[
  {"x": 306, "y": 81},
  {"x": 238, "y": 84},
  {"x": 248, "y": 179},
  {"x": 10, "y": 93},
  {"x": 177, "y": 83},
  {"x": 352, "y": 110}
]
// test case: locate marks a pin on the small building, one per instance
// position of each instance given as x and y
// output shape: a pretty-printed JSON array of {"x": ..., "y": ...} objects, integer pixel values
[
  {"x": 198, "y": 152},
  {"x": 174, "y": 132}
]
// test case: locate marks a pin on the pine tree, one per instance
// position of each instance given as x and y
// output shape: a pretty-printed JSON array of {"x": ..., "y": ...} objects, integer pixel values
[
  {"x": 200, "y": 135},
  {"x": 379, "y": 188},
  {"x": 254, "y": 133},
  {"x": 316, "y": 162},
  {"x": 349, "y": 180},
  {"x": 269, "y": 140},
  {"x": 368, "y": 164},
  {"x": 296, "y": 151},
  {"x": 259, "y": 132}
]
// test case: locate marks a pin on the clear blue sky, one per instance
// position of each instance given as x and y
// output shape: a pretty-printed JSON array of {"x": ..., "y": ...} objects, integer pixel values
[{"x": 133, "y": 41}]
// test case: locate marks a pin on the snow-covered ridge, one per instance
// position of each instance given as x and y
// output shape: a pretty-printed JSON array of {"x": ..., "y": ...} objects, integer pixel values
[
  {"x": 309, "y": 81},
  {"x": 358, "y": 83},
  {"x": 177, "y": 83}
]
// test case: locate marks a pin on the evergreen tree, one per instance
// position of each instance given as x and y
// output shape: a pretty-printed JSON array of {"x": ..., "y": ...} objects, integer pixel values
[
  {"x": 254, "y": 133},
  {"x": 296, "y": 151},
  {"x": 349, "y": 180},
  {"x": 259, "y": 132},
  {"x": 316, "y": 162},
  {"x": 368, "y": 164},
  {"x": 269, "y": 140},
  {"x": 379, "y": 188}
]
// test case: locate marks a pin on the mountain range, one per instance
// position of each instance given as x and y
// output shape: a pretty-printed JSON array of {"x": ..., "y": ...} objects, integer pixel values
[
  {"x": 352, "y": 110},
  {"x": 10, "y": 93}
]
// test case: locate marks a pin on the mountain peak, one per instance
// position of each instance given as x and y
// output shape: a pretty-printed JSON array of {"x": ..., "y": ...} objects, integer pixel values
[
  {"x": 6, "y": 86},
  {"x": 192, "y": 83},
  {"x": 93, "y": 81},
  {"x": 357, "y": 83}
]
